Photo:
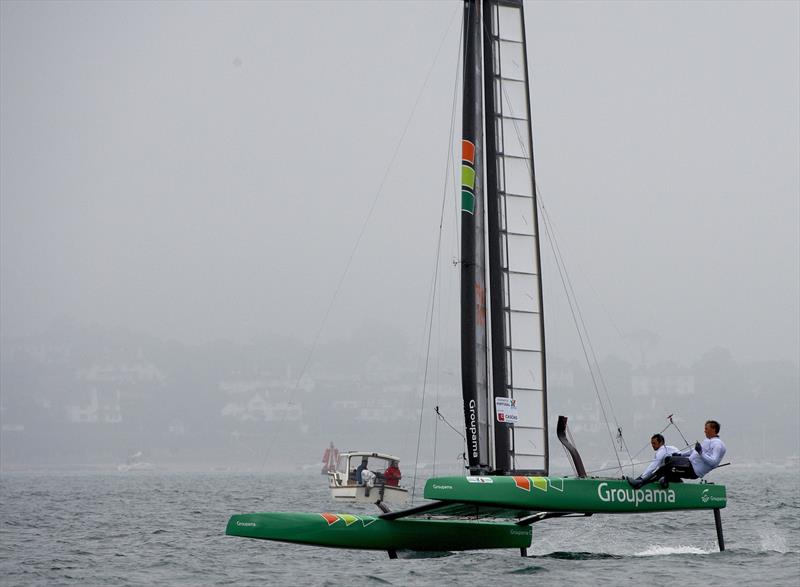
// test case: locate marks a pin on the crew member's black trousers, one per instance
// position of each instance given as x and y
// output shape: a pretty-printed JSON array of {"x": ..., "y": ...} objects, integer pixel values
[{"x": 674, "y": 468}]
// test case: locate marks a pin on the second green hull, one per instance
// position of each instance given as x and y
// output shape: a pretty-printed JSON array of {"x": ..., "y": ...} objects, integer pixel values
[{"x": 373, "y": 533}]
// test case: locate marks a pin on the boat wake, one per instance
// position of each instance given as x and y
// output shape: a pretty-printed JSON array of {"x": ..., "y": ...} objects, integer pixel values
[
  {"x": 668, "y": 550},
  {"x": 772, "y": 541}
]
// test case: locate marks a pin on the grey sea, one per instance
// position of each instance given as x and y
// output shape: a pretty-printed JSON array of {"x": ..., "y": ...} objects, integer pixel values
[{"x": 151, "y": 527}]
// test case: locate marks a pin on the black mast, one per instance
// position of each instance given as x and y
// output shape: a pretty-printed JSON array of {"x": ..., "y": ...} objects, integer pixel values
[{"x": 475, "y": 436}]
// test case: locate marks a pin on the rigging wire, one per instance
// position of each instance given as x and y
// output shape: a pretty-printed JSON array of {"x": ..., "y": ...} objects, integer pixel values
[
  {"x": 455, "y": 260},
  {"x": 361, "y": 233},
  {"x": 581, "y": 334},
  {"x": 435, "y": 279},
  {"x": 615, "y": 468},
  {"x": 551, "y": 226},
  {"x": 559, "y": 258},
  {"x": 441, "y": 417},
  {"x": 664, "y": 429},
  {"x": 672, "y": 423},
  {"x": 577, "y": 315}
]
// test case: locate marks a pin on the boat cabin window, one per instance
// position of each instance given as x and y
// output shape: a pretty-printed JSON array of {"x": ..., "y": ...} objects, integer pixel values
[
  {"x": 349, "y": 463},
  {"x": 374, "y": 464}
]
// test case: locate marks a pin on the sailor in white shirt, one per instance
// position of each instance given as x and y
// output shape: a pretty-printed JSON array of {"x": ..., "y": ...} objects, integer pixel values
[
  {"x": 662, "y": 450},
  {"x": 708, "y": 454}
]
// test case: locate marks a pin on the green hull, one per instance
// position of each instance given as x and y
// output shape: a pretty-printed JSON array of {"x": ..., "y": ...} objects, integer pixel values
[
  {"x": 521, "y": 495},
  {"x": 373, "y": 533},
  {"x": 472, "y": 498}
]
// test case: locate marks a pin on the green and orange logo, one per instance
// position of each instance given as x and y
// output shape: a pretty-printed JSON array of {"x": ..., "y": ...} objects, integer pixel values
[
  {"x": 348, "y": 519},
  {"x": 468, "y": 176},
  {"x": 540, "y": 483}
]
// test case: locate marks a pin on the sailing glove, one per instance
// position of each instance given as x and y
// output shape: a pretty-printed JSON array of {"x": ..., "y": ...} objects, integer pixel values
[{"x": 697, "y": 447}]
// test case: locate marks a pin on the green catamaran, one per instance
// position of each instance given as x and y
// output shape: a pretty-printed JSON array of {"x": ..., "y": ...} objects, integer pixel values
[{"x": 508, "y": 487}]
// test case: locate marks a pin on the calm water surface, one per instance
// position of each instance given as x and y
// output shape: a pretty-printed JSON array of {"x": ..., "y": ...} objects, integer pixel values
[{"x": 142, "y": 528}]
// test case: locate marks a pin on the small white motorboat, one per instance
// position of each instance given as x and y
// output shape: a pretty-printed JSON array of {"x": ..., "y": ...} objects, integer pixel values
[{"x": 367, "y": 477}]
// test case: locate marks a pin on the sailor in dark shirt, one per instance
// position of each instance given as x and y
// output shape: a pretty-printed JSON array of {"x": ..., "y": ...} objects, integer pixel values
[{"x": 360, "y": 470}]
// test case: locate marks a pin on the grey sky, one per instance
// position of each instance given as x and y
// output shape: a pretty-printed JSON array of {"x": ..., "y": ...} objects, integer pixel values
[{"x": 201, "y": 170}]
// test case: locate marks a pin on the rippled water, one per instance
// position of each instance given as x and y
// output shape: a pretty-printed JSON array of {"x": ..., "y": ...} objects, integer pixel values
[{"x": 143, "y": 528}]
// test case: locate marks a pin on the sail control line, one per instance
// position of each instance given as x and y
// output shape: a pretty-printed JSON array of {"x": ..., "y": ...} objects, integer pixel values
[{"x": 672, "y": 423}]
